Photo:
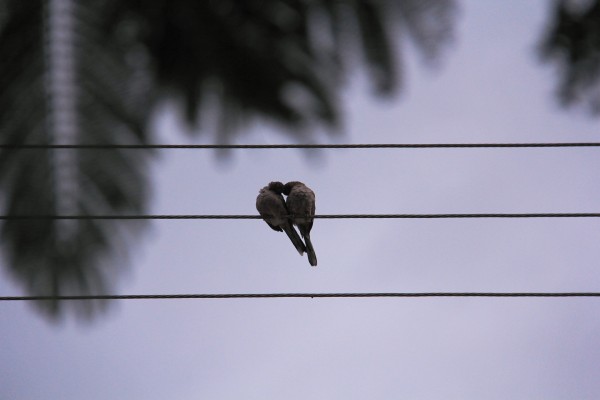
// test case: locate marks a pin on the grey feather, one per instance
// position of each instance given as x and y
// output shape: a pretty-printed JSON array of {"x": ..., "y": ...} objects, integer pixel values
[
  {"x": 301, "y": 205},
  {"x": 271, "y": 207}
]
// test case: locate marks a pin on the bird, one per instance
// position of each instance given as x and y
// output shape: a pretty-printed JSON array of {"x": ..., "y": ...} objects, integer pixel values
[
  {"x": 301, "y": 205},
  {"x": 271, "y": 207}
]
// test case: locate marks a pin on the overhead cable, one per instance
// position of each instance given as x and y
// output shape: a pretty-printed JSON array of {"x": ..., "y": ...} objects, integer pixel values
[
  {"x": 321, "y": 216},
  {"x": 296, "y": 146},
  {"x": 298, "y": 295}
]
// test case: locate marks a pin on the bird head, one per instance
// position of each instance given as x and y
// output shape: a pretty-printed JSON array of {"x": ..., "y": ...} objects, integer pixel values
[
  {"x": 287, "y": 188},
  {"x": 276, "y": 187}
]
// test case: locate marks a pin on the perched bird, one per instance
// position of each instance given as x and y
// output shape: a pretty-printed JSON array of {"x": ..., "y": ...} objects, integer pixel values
[
  {"x": 271, "y": 206},
  {"x": 301, "y": 205}
]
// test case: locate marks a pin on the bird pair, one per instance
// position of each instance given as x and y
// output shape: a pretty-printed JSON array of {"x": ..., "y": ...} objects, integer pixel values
[{"x": 281, "y": 215}]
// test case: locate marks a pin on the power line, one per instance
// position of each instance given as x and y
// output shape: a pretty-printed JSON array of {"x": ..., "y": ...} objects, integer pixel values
[
  {"x": 295, "y": 146},
  {"x": 321, "y": 216},
  {"x": 299, "y": 295}
]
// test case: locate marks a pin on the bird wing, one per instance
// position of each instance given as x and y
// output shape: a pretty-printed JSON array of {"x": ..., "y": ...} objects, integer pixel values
[
  {"x": 301, "y": 202},
  {"x": 271, "y": 207}
]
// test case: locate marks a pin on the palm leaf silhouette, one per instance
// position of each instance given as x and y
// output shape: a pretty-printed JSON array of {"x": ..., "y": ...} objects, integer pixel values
[
  {"x": 64, "y": 79},
  {"x": 89, "y": 71},
  {"x": 572, "y": 41}
]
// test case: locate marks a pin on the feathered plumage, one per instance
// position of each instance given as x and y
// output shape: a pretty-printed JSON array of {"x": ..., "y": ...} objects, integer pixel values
[
  {"x": 271, "y": 207},
  {"x": 301, "y": 205}
]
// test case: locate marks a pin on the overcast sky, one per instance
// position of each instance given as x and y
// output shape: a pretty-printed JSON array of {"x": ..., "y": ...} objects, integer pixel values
[{"x": 490, "y": 87}]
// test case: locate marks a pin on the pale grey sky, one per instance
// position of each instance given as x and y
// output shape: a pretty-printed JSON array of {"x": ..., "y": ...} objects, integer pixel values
[{"x": 490, "y": 87}]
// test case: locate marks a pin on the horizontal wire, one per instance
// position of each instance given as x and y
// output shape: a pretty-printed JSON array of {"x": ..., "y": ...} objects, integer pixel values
[
  {"x": 297, "y": 146},
  {"x": 321, "y": 216},
  {"x": 300, "y": 295}
]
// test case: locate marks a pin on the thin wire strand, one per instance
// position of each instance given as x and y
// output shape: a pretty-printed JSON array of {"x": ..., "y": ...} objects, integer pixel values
[
  {"x": 300, "y": 295},
  {"x": 297, "y": 146},
  {"x": 321, "y": 216}
]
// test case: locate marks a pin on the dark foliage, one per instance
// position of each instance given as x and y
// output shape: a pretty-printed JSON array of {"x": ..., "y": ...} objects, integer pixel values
[
  {"x": 55, "y": 257},
  {"x": 573, "y": 43},
  {"x": 278, "y": 59}
]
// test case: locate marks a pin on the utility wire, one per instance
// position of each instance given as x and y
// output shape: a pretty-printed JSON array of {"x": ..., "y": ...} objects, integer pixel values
[
  {"x": 321, "y": 216},
  {"x": 296, "y": 146},
  {"x": 300, "y": 295}
]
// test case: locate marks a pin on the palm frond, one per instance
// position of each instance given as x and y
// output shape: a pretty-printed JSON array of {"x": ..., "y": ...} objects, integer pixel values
[
  {"x": 280, "y": 59},
  {"x": 263, "y": 57},
  {"x": 49, "y": 257},
  {"x": 572, "y": 42}
]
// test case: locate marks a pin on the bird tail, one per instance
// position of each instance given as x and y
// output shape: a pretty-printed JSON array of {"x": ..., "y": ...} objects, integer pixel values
[
  {"x": 310, "y": 251},
  {"x": 295, "y": 238}
]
